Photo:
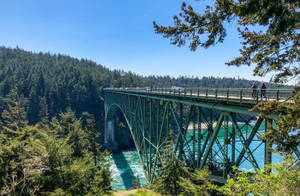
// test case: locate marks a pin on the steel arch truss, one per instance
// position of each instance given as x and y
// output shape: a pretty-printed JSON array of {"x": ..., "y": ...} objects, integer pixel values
[{"x": 203, "y": 136}]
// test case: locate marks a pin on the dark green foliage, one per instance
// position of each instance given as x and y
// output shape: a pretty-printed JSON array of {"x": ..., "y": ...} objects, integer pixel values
[
  {"x": 170, "y": 172},
  {"x": 174, "y": 178},
  {"x": 285, "y": 180},
  {"x": 59, "y": 159},
  {"x": 93, "y": 135},
  {"x": 88, "y": 169},
  {"x": 43, "y": 113},
  {"x": 14, "y": 116},
  {"x": 269, "y": 28},
  {"x": 52, "y": 83},
  {"x": 284, "y": 133},
  {"x": 205, "y": 82},
  {"x": 197, "y": 183}
]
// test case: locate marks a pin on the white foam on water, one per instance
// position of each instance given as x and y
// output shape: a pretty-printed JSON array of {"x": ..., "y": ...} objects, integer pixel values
[{"x": 134, "y": 163}]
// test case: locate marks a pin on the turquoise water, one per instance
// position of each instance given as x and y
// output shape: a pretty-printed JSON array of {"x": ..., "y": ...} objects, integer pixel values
[
  {"x": 126, "y": 171},
  {"x": 126, "y": 166}
]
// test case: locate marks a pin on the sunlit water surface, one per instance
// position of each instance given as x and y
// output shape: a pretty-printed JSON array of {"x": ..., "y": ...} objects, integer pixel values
[{"x": 126, "y": 166}]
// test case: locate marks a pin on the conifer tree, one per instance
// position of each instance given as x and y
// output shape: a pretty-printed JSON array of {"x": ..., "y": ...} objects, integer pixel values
[
  {"x": 74, "y": 134},
  {"x": 197, "y": 183},
  {"x": 71, "y": 161},
  {"x": 41, "y": 160},
  {"x": 22, "y": 159},
  {"x": 14, "y": 116},
  {"x": 43, "y": 113},
  {"x": 170, "y": 172},
  {"x": 92, "y": 136},
  {"x": 274, "y": 47},
  {"x": 284, "y": 133}
]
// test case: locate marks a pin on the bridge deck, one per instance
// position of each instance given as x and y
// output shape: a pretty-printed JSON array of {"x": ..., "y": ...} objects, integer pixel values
[
  {"x": 234, "y": 97},
  {"x": 229, "y": 94}
]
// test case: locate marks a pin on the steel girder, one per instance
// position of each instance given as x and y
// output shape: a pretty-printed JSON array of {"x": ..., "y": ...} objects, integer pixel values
[{"x": 203, "y": 135}]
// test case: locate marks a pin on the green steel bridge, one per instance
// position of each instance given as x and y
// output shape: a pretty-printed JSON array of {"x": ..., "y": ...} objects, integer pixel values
[{"x": 209, "y": 127}]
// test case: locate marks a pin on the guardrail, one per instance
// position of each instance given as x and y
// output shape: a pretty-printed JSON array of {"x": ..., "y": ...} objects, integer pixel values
[{"x": 241, "y": 94}]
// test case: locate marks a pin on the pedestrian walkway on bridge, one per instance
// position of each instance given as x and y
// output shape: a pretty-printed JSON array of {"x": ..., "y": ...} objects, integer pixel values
[{"x": 234, "y": 94}]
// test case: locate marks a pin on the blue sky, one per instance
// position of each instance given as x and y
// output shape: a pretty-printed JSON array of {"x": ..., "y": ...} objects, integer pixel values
[{"x": 118, "y": 34}]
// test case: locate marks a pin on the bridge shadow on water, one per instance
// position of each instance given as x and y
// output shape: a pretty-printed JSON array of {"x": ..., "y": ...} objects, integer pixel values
[{"x": 125, "y": 170}]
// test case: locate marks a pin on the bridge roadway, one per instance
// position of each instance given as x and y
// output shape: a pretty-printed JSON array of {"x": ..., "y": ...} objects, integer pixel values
[
  {"x": 232, "y": 95},
  {"x": 222, "y": 131}
]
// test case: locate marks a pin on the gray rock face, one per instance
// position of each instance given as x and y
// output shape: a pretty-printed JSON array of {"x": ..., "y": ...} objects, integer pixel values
[{"x": 117, "y": 135}]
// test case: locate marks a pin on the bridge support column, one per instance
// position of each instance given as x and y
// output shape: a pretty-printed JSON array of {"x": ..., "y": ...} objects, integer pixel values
[
  {"x": 268, "y": 145},
  {"x": 109, "y": 131}
]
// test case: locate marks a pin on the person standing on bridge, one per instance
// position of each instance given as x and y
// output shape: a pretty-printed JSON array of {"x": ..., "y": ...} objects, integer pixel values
[
  {"x": 263, "y": 90},
  {"x": 254, "y": 90}
]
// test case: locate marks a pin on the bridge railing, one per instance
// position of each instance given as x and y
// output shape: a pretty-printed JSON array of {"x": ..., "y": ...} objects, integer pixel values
[{"x": 240, "y": 94}]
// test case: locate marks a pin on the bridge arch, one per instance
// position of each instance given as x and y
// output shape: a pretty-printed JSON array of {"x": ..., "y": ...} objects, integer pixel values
[
  {"x": 110, "y": 112},
  {"x": 123, "y": 139},
  {"x": 111, "y": 109}
]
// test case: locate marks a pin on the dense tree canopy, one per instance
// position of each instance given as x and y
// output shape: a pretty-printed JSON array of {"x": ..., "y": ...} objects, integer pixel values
[
  {"x": 206, "y": 82},
  {"x": 51, "y": 83},
  {"x": 58, "y": 157},
  {"x": 269, "y": 29}
]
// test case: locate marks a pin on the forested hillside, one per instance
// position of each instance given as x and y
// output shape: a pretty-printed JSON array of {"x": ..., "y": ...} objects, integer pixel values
[{"x": 50, "y": 83}]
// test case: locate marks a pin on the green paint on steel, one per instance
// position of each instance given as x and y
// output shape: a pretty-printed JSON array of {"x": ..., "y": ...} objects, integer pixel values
[
  {"x": 203, "y": 103},
  {"x": 152, "y": 115}
]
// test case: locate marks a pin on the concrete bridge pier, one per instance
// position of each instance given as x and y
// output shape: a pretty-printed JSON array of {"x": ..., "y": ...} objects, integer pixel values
[{"x": 109, "y": 132}]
